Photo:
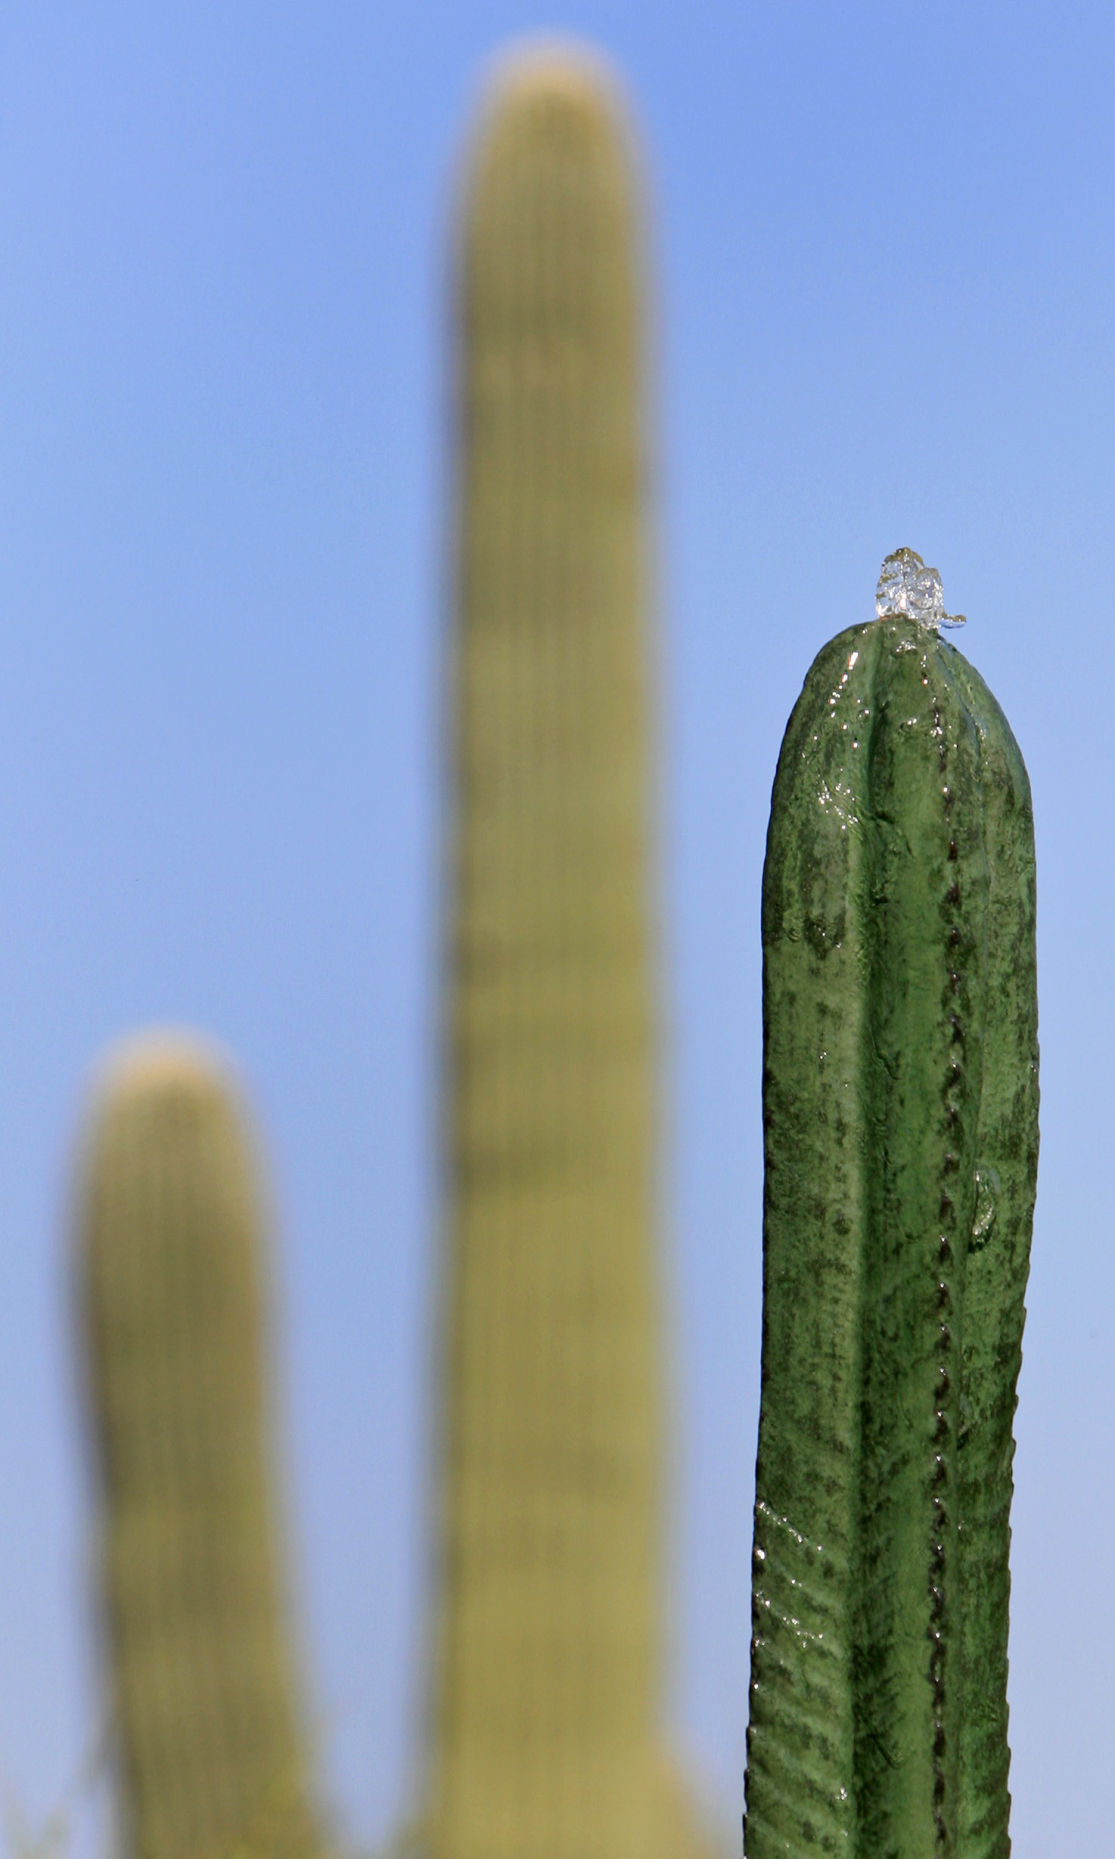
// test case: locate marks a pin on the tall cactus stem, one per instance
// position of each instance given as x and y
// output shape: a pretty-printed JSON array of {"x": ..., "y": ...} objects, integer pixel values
[
  {"x": 547, "y": 1656},
  {"x": 900, "y": 1113}
]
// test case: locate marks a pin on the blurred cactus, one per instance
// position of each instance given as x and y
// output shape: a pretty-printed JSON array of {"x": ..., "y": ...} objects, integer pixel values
[
  {"x": 547, "y": 1655},
  {"x": 173, "y": 1280}
]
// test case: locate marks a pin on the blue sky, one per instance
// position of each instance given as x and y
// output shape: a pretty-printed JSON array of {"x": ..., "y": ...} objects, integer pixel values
[{"x": 884, "y": 260}]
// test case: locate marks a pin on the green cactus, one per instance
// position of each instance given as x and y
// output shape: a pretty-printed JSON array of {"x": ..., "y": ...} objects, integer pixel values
[
  {"x": 173, "y": 1291},
  {"x": 547, "y": 1651},
  {"x": 900, "y": 1112}
]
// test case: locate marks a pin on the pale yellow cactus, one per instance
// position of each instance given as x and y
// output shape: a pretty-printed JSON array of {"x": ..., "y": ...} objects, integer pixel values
[
  {"x": 171, "y": 1251},
  {"x": 545, "y": 1730}
]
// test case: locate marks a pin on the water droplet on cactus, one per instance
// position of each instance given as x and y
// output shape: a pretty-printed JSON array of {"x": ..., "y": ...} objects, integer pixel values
[{"x": 908, "y": 589}]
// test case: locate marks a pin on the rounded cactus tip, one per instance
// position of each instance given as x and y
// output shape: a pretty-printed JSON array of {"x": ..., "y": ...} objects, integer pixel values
[
  {"x": 554, "y": 70},
  {"x": 164, "y": 1060}
]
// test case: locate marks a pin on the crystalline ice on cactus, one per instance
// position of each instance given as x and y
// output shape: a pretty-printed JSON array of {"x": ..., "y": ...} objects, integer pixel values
[{"x": 908, "y": 588}]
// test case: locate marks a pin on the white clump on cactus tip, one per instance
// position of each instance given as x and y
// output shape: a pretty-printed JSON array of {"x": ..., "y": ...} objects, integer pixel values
[{"x": 908, "y": 589}]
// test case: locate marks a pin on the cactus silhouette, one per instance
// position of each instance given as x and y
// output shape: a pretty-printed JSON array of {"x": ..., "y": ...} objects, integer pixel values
[
  {"x": 545, "y": 1711},
  {"x": 900, "y": 1111},
  {"x": 173, "y": 1290}
]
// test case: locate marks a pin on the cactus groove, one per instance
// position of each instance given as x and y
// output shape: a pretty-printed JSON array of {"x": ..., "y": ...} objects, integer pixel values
[
  {"x": 900, "y": 1116},
  {"x": 171, "y": 1242},
  {"x": 546, "y": 1662}
]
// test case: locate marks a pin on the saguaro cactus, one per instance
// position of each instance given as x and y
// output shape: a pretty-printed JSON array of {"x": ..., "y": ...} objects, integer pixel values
[
  {"x": 171, "y": 1252},
  {"x": 900, "y": 1108},
  {"x": 545, "y": 1701}
]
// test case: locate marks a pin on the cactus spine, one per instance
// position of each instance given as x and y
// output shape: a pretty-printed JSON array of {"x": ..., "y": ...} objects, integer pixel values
[
  {"x": 545, "y": 1706},
  {"x": 900, "y": 1111},
  {"x": 171, "y": 1249}
]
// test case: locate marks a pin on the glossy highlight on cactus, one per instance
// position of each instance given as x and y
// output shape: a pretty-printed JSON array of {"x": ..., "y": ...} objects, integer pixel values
[
  {"x": 171, "y": 1243},
  {"x": 900, "y": 1110},
  {"x": 544, "y": 1734}
]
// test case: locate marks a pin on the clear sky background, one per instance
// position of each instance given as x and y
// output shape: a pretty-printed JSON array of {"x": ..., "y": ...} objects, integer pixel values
[{"x": 885, "y": 273}]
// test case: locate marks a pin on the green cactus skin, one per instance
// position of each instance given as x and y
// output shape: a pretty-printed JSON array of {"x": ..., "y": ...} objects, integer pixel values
[
  {"x": 900, "y": 1113},
  {"x": 545, "y": 1709},
  {"x": 171, "y": 1254}
]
